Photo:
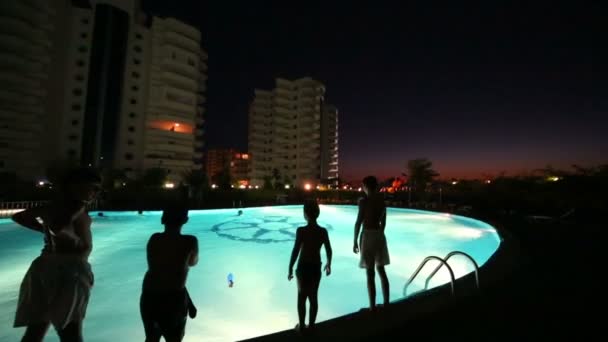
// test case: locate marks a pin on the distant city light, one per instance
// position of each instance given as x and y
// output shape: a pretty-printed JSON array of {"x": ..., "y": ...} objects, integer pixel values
[
  {"x": 554, "y": 178},
  {"x": 242, "y": 186},
  {"x": 41, "y": 183},
  {"x": 454, "y": 182},
  {"x": 359, "y": 189},
  {"x": 213, "y": 186},
  {"x": 250, "y": 187},
  {"x": 345, "y": 187},
  {"x": 287, "y": 186},
  {"x": 232, "y": 186},
  {"x": 169, "y": 185},
  {"x": 318, "y": 187},
  {"x": 488, "y": 181},
  {"x": 124, "y": 184},
  {"x": 176, "y": 124},
  {"x": 307, "y": 186},
  {"x": 257, "y": 186}
]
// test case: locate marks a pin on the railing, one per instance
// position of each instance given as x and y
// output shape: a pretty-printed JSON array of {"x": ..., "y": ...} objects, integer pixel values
[
  {"x": 447, "y": 257},
  {"x": 8, "y": 209},
  {"x": 427, "y": 259}
]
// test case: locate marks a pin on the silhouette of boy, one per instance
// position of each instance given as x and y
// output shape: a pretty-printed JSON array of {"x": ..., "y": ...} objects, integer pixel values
[
  {"x": 308, "y": 247},
  {"x": 374, "y": 250},
  {"x": 165, "y": 302}
]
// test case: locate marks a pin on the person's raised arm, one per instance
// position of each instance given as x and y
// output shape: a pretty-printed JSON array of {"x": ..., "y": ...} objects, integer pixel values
[
  {"x": 193, "y": 259},
  {"x": 328, "y": 252},
  {"x": 358, "y": 227},
  {"x": 29, "y": 218},
  {"x": 294, "y": 253}
]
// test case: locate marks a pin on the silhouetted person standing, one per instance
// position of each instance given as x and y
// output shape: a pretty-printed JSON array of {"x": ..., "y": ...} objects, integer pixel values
[
  {"x": 374, "y": 249},
  {"x": 307, "y": 246},
  {"x": 56, "y": 287},
  {"x": 165, "y": 303}
]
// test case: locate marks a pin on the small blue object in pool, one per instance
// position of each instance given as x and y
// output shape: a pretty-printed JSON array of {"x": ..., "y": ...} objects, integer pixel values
[{"x": 230, "y": 280}]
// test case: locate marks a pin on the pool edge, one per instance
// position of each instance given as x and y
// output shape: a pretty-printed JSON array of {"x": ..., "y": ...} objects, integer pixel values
[{"x": 363, "y": 325}]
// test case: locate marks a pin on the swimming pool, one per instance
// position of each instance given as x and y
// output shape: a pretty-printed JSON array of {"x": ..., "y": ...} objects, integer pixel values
[{"x": 254, "y": 247}]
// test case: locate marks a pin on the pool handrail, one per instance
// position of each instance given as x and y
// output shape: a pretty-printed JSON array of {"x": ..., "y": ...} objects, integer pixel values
[
  {"x": 427, "y": 259},
  {"x": 447, "y": 257}
]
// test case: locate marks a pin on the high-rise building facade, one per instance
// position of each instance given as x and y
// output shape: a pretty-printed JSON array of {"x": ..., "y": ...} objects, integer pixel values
[
  {"x": 101, "y": 84},
  {"x": 293, "y": 135},
  {"x": 220, "y": 159}
]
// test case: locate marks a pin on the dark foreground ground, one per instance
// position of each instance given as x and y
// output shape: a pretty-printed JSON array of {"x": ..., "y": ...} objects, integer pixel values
[{"x": 554, "y": 292}]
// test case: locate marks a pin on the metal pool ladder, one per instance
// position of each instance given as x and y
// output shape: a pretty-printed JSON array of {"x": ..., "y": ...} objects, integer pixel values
[{"x": 443, "y": 262}]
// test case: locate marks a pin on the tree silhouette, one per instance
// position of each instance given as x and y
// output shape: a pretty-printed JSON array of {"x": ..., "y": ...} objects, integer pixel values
[{"x": 420, "y": 173}]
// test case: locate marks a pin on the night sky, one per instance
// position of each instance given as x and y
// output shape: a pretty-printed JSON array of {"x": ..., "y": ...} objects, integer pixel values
[{"x": 476, "y": 89}]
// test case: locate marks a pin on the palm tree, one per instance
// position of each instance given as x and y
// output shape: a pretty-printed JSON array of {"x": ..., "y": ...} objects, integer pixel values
[
  {"x": 276, "y": 177},
  {"x": 198, "y": 182},
  {"x": 420, "y": 172},
  {"x": 154, "y": 177}
]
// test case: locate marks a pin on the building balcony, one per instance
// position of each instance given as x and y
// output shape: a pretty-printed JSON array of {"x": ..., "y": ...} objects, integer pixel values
[
  {"x": 168, "y": 148},
  {"x": 23, "y": 30},
  {"x": 179, "y": 27},
  {"x": 179, "y": 117},
  {"x": 181, "y": 41},
  {"x": 181, "y": 68},
  {"x": 153, "y": 133},
  {"x": 15, "y": 64},
  {"x": 26, "y": 49},
  {"x": 167, "y": 163},
  {"x": 179, "y": 81},
  {"x": 37, "y": 13},
  {"x": 285, "y": 93}
]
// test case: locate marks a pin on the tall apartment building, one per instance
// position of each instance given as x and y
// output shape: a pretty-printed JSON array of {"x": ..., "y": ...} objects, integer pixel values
[
  {"x": 101, "y": 83},
  {"x": 29, "y": 102},
  {"x": 293, "y": 134},
  {"x": 218, "y": 159}
]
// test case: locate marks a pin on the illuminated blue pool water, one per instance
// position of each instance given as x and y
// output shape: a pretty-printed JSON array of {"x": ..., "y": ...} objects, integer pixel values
[{"x": 255, "y": 248}]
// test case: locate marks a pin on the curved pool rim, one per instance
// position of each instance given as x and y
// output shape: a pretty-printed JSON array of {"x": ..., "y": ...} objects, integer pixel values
[
  {"x": 398, "y": 303},
  {"x": 362, "y": 325}
]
